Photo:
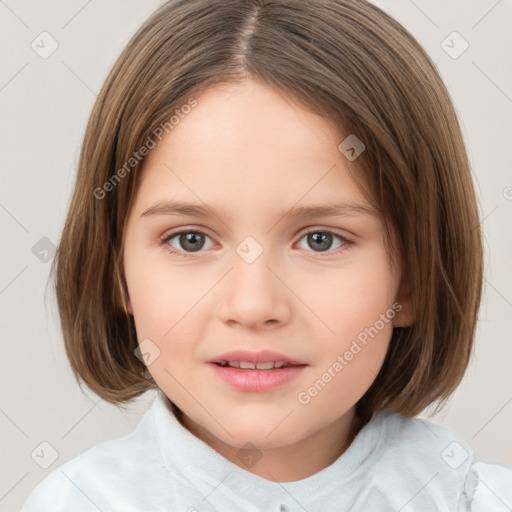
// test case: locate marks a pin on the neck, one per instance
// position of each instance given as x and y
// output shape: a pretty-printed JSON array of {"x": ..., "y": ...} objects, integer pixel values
[{"x": 291, "y": 462}]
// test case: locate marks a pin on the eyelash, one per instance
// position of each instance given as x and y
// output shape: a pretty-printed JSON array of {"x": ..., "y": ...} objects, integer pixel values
[{"x": 169, "y": 236}]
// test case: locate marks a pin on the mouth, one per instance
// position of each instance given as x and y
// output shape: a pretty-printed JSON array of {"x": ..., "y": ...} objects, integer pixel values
[
  {"x": 264, "y": 359},
  {"x": 256, "y": 372},
  {"x": 248, "y": 365}
]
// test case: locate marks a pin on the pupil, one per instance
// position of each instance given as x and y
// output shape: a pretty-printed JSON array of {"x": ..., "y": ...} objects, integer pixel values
[
  {"x": 189, "y": 241},
  {"x": 322, "y": 240}
]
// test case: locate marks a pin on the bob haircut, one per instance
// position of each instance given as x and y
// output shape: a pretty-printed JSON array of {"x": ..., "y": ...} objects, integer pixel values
[{"x": 346, "y": 60}]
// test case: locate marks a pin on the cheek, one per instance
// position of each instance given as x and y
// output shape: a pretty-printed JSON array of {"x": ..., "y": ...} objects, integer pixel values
[
  {"x": 351, "y": 299},
  {"x": 355, "y": 307},
  {"x": 167, "y": 310},
  {"x": 157, "y": 298}
]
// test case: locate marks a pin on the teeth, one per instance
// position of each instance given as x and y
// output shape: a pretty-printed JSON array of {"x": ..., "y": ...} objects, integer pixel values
[
  {"x": 265, "y": 366},
  {"x": 243, "y": 364},
  {"x": 246, "y": 365}
]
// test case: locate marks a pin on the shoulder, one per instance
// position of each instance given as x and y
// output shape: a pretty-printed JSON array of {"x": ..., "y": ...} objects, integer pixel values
[
  {"x": 488, "y": 487},
  {"x": 445, "y": 465},
  {"x": 99, "y": 476}
]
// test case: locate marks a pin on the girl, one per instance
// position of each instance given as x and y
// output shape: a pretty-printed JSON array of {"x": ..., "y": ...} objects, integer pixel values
[{"x": 311, "y": 153}]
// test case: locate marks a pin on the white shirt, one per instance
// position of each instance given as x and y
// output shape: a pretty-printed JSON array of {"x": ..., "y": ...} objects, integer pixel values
[{"x": 394, "y": 464}]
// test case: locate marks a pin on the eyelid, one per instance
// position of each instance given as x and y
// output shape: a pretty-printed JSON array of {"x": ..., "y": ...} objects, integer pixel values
[
  {"x": 168, "y": 235},
  {"x": 324, "y": 229},
  {"x": 183, "y": 229}
]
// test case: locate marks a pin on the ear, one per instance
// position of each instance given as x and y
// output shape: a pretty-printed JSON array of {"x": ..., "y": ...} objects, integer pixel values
[
  {"x": 129, "y": 306},
  {"x": 127, "y": 303},
  {"x": 404, "y": 316},
  {"x": 122, "y": 297}
]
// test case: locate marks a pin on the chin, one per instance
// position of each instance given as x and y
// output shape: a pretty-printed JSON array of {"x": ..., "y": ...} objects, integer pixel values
[{"x": 267, "y": 428}]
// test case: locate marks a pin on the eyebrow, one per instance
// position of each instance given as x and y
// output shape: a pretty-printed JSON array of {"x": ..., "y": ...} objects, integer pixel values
[{"x": 170, "y": 207}]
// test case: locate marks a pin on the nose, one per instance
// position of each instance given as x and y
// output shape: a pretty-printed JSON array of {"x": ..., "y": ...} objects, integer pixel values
[{"x": 254, "y": 294}]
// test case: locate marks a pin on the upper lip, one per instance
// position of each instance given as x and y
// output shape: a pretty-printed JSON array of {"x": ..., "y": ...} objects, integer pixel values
[{"x": 260, "y": 356}]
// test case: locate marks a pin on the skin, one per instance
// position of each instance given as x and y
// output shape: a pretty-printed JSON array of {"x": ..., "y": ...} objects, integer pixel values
[{"x": 249, "y": 151}]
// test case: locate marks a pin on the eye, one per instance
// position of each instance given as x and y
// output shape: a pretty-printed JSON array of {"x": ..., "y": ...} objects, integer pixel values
[
  {"x": 322, "y": 240},
  {"x": 186, "y": 242},
  {"x": 189, "y": 240}
]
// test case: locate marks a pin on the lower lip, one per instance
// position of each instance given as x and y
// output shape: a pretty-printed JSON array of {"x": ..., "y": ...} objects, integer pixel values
[{"x": 256, "y": 380}]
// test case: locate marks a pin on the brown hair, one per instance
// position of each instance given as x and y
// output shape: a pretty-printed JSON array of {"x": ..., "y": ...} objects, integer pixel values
[{"x": 346, "y": 60}]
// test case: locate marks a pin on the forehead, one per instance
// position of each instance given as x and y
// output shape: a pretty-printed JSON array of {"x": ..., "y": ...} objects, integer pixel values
[{"x": 245, "y": 144}]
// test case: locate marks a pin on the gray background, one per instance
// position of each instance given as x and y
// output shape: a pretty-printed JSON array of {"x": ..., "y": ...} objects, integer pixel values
[{"x": 45, "y": 104}]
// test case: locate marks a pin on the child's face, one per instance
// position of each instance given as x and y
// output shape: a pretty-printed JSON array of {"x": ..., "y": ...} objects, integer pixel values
[{"x": 252, "y": 153}]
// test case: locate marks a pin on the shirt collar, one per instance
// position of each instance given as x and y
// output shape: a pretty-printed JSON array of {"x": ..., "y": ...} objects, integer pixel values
[{"x": 188, "y": 457}]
